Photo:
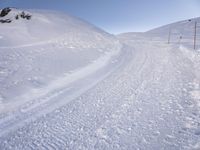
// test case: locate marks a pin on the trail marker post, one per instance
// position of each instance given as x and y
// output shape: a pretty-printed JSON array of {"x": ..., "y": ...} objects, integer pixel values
[
  {"x": 195, "y": 34},
  {"x": 169, "y": 36}
]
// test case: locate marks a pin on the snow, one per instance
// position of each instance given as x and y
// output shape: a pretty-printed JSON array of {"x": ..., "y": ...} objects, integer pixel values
[
  {"x": 86, "y": 89},
  {"x": 36, "y": 61}
]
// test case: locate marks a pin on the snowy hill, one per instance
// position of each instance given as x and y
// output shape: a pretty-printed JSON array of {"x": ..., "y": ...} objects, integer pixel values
[
  {"x": 181, "y": 32},
  {"x": 185, "y": 27},
  {"x": 47, "y": 51},
  {"x": 65, "y": 84},
  {"x": 46, "y": 26}
]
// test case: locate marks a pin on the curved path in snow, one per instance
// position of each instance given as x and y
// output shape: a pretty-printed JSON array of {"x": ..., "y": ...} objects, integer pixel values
[
  {"x": 62, "y": 90},
  {"x": 144, "y": 103}
]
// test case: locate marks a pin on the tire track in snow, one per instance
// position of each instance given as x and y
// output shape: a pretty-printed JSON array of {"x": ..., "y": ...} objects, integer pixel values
[
  {"x": 130, "y": 109},
  {"x": 24, "y": 115}
]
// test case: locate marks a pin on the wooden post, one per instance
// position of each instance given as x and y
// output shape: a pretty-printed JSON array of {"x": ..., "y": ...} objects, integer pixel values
[
  {"x": 180, "y": 38},
  {"x": 195, "y": 34},
  {"x": 169, "y": 35}
]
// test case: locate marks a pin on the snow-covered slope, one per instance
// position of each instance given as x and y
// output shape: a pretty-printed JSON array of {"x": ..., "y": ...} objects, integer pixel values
[
  {"x": 185, "y": 27},
  {"x": 46, "y": 26},
  {"x": 181, "y": 33},
  {"x": 82, "y": 95},
  {"x": 174, "y": 84},
  {"x": 151, "y": 101},
  {"x": 47, "y": 51}
]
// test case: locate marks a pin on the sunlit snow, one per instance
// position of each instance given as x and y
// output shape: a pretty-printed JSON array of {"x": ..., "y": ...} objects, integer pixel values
[{"x": 65, "y": 84}]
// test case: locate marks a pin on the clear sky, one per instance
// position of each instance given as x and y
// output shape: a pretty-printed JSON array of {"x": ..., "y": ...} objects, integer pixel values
[{"x": 117, "y": 16}]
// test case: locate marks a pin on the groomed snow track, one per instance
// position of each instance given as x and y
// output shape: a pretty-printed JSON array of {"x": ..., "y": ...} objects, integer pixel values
[{"x": 144, "y": 103}]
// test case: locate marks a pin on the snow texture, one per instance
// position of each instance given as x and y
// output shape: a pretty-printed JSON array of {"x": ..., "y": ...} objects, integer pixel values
[{"x": 77, "y": 87}]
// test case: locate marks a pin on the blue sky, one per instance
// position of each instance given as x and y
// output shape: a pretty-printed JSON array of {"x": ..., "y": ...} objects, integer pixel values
[{"x": 117, "y": 16}]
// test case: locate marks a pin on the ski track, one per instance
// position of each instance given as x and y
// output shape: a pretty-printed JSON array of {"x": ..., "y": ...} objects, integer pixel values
[{"x": 143, "y": 104}]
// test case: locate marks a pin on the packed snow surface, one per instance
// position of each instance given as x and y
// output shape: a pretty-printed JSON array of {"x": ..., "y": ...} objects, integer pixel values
[{"x": 82, "y": 89}]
